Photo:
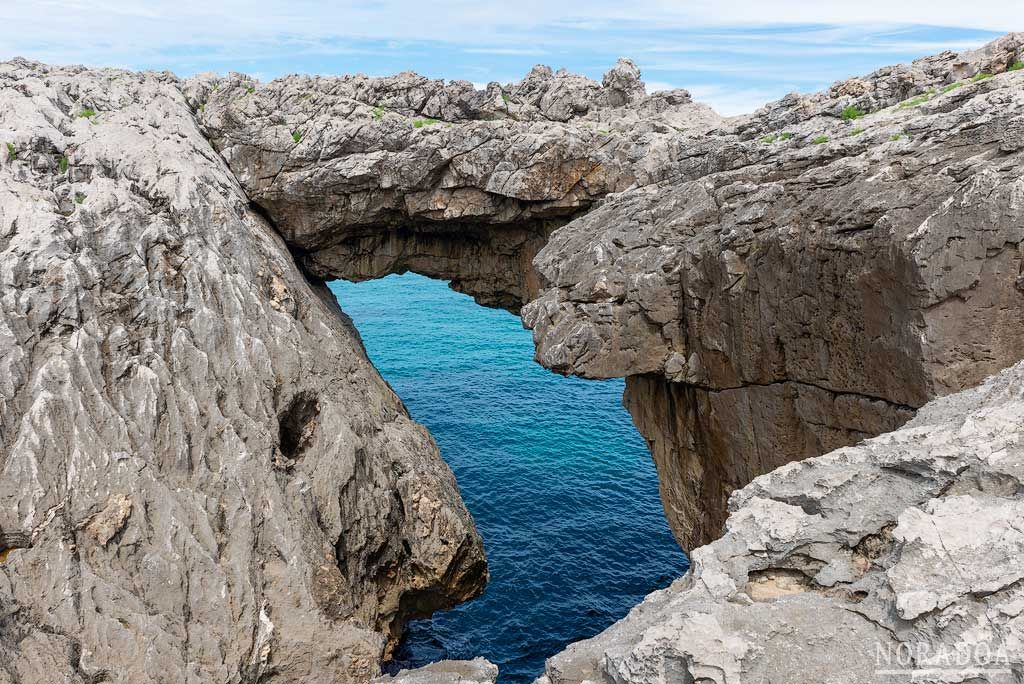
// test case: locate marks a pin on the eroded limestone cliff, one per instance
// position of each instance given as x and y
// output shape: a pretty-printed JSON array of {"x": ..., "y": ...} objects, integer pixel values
[
  {"x": 809, "y": 280},
  {"x": 772, "y": 286},
  {"x": 370, "y": 176},
  {"x": 895, "y": 560},
  {"x": 202, "y": 476}
]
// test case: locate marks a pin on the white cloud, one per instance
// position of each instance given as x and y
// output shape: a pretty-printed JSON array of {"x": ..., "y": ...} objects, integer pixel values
[
  {"x": 658, "y": 86},
  {"x": 503, "y": 51},
  {"x": 124, "y": 29},
  {"x": 731, "y": 101},
  {"x": 726, "y": 100}
]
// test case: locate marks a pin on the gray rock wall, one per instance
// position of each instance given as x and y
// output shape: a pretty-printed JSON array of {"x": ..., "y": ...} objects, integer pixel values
[
  {"x": 808, "y": 280},
  {"x": 900, "y": 555},
  {"x": 366, "y": 177},
  {"x": 202, "y": 476},
  {"x": 773, "y": 286}
]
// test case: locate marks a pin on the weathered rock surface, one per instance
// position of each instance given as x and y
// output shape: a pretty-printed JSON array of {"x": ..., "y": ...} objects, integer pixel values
[
  {"x": 202, "y": 477},
  {"x": 772, "y": 286},
  {"x": 900, "y": 554},
  {"x": 370, "y": 176},
  {"x": 477, "y": 671},
  {"x": 804, "y": 280}
]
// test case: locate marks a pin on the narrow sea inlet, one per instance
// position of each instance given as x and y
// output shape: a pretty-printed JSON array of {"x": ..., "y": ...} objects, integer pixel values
[{"x": 560, "y": 484}]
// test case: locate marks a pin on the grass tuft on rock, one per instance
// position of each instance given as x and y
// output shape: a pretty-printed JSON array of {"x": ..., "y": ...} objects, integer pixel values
[
  {"x": 12, "y": 153},
  {"x": 62, "y": 164},
  {"x": 769, "y": 139},
  {"x": 852, "y": 112},
  {"x": 952, "y": 86},
  {"x": 297, "y": 136},
  {"x": 820, "y": 140},
  {"x": 1017, "y": 66},
  {"x": 786, "y": 136},
  {"x": 981, "y": 77},
  {"x": 915, "y": 101},
  {"x": 86, "y": 113},
  {"x": 420, "y": 123}
]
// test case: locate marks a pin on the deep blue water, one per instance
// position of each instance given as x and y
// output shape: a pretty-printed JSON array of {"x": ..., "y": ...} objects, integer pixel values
[{"x": 560, "y": 483}]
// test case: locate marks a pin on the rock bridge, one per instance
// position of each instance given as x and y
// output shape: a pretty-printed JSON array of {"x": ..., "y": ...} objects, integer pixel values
[
  {"x": 203, "y": 476},
  {"x": 772, "y": 287}
]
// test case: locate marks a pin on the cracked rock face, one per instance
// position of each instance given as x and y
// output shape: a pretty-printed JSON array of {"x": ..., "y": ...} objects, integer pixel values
[
  {"x": 202, "y": 477},
  {"x": 804, "y": 280},
  {"x": 476, "y": 671},
  {"x": 370, "y": 176},
  {"x": 772, "y": 286},
  {"x": 901, "y": 553}
]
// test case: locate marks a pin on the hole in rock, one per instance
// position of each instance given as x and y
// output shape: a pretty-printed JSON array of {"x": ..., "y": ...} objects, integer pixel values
[
  {"x": 297, "y": 424},
  {"x": 561, "y": 485},
  {"x": 9, "y": 541}
]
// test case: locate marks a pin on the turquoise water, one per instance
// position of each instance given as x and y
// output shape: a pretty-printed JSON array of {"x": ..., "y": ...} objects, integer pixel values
[{"x": 560, "y": 484}]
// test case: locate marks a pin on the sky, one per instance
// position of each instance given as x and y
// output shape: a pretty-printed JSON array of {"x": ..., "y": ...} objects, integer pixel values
[{"x": 734, "y": 55}]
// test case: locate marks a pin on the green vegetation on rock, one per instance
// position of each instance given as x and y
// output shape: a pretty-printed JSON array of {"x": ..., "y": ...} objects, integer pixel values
[
  {"x": 915, "y": 101},
  {"x": 852, "y": 112},
  {"x": 12, "y": 153},
  {"x": 420, "y": 123},
  {"x": 820, "y": 140}
]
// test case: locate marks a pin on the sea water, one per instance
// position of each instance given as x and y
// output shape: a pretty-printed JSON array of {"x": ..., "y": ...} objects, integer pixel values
[{"x": 560, "y": 483}]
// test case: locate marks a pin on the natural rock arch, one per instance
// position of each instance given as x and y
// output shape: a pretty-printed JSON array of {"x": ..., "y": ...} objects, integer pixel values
[
  {"x": 170, "y": 361},
  {"x": 767, "y": 296}
]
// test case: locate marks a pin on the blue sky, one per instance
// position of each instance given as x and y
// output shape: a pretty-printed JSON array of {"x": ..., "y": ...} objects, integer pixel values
[{"x": 735, "y": 56}]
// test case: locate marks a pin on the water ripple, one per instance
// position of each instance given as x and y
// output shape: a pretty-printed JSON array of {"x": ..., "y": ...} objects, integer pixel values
[{"x": 560, "y": 484}]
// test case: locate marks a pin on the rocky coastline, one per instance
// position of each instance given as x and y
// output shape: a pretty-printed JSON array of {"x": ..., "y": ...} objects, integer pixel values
[{"x": 205, "y": 478}]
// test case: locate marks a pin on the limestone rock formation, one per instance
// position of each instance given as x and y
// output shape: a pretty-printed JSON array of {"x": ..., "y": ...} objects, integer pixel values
[
  {"x": 899, "y": 555},
  {"x": 772, "y": 286},
  {"x": 365, "y": 177},
  {"x": 477, "y": 671},
  {"x": 811, "y": 275},
  {"x": 202, "y": 476}
]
